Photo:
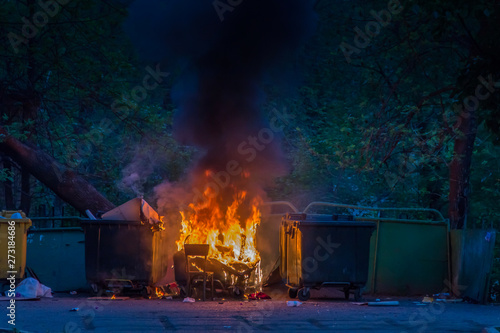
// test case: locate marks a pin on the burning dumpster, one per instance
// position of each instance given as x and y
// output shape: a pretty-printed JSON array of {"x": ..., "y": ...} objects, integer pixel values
[
  {"x": 126, "y": 249},
  {"x": 324, "y": 250},
  {"x": 227, "y": 224}
]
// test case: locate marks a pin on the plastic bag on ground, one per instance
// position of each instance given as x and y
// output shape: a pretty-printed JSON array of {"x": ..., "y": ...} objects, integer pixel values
[{"x": 31, "y": 288}]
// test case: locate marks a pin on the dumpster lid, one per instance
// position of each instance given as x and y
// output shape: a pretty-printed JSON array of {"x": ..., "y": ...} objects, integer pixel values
[
  {"x": 136, "y": 209},
  {"x": 8, "y": 213},
  {"x": 335, "y": 224},
  {"x": 324, "y": 220}
]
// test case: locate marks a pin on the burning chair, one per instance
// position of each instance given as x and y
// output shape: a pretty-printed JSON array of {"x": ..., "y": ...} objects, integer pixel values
[
  {"x": 198, "y": 250},
  {"x": 192, "y": 263}
]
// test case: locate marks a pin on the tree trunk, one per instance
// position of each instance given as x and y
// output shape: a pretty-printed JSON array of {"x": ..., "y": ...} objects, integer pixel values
[
  {"x": 69, "y": 186},
  {"x": 25, "y": 191},
  {"x": 9, "y": 196},
  {"x": 460, "y": 169}
]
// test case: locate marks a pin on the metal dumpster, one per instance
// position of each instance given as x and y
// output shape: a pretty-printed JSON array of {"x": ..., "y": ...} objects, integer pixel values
[
  {"x": 324, "y": 250},
  {"x": 65, "y": 271},
  {"x": 123, "y": 255}
]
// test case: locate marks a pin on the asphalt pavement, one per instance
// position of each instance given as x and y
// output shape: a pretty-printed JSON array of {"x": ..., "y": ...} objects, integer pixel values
[{"x": 320, "y": 313}]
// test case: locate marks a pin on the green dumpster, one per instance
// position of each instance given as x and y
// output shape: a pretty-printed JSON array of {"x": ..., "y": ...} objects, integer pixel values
[{"x": 57, "y": 256}]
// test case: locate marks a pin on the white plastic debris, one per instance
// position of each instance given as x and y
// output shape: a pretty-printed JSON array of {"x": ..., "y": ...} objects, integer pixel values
[
  {"x": 31, "y": 288},
  {"x": 188, "y": 300},
  {"x": 293, "y": 303},
  {"x": 73, "y": 292},
  {"x": 384, "y": 303}
]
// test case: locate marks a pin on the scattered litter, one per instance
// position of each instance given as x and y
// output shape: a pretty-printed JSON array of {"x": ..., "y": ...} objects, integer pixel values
[
  {"x": 377, "y": 300},
  {"x": 74, "y": 309},
  {"x": 73, "y": 292},
  {"x": 169, "y": 297},
  {"x": 258, "y": 295},
  {"x": 293, "y": 303},
  {"x": 119, "y": 298},
  {"x": 449, "y": 300},
  {"x": 227, "y": 326},
  {"x": 384, "y": 303},
  {"x": 188, "y": 300},
  {"x": 221, "y": 302},
  {"x": 443, "y": 297},
  {"x": 359, "y": 303}
]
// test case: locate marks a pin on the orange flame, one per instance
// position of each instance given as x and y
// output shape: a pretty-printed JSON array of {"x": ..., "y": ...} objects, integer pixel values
[
  {"x": 229, "y": 232},
  {"x": 113, "y": 297},
  {"x": 159, "y": 292}
]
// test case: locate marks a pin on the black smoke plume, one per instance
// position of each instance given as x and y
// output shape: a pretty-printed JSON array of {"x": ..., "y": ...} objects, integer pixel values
[{"x": 227, "y": 49}]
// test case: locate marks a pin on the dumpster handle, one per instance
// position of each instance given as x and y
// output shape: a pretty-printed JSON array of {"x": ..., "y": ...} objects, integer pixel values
[
  {"x": 430, "y": 210},
  {"x": 276, "y": 203}
]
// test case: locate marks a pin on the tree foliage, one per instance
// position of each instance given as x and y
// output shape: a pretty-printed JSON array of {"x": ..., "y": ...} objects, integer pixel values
[{"x": 377, "y": 118}]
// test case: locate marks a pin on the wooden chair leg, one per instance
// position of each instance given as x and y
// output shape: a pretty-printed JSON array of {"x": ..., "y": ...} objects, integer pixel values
[
  {"x": 212, "y": 287},
  {"x": 188, "y": 291},
  {"x": 204, "y": 278}
]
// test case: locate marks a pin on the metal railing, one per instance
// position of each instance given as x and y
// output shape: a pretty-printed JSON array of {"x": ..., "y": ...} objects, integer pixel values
[
  {"x": 379, "y": 210},
  {"x": 56, "y": 222}
]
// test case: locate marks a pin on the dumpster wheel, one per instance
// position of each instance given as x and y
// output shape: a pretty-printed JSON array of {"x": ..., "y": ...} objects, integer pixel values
[
  {"x": 292, "y": 292},
  {"x": 146, "y": 292},
  {"x": 96, "y": 290},
  {"x": 346, "y": 293},
  {"x": 357, "y": 294},
  {"x": 304, "y": 294}
]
